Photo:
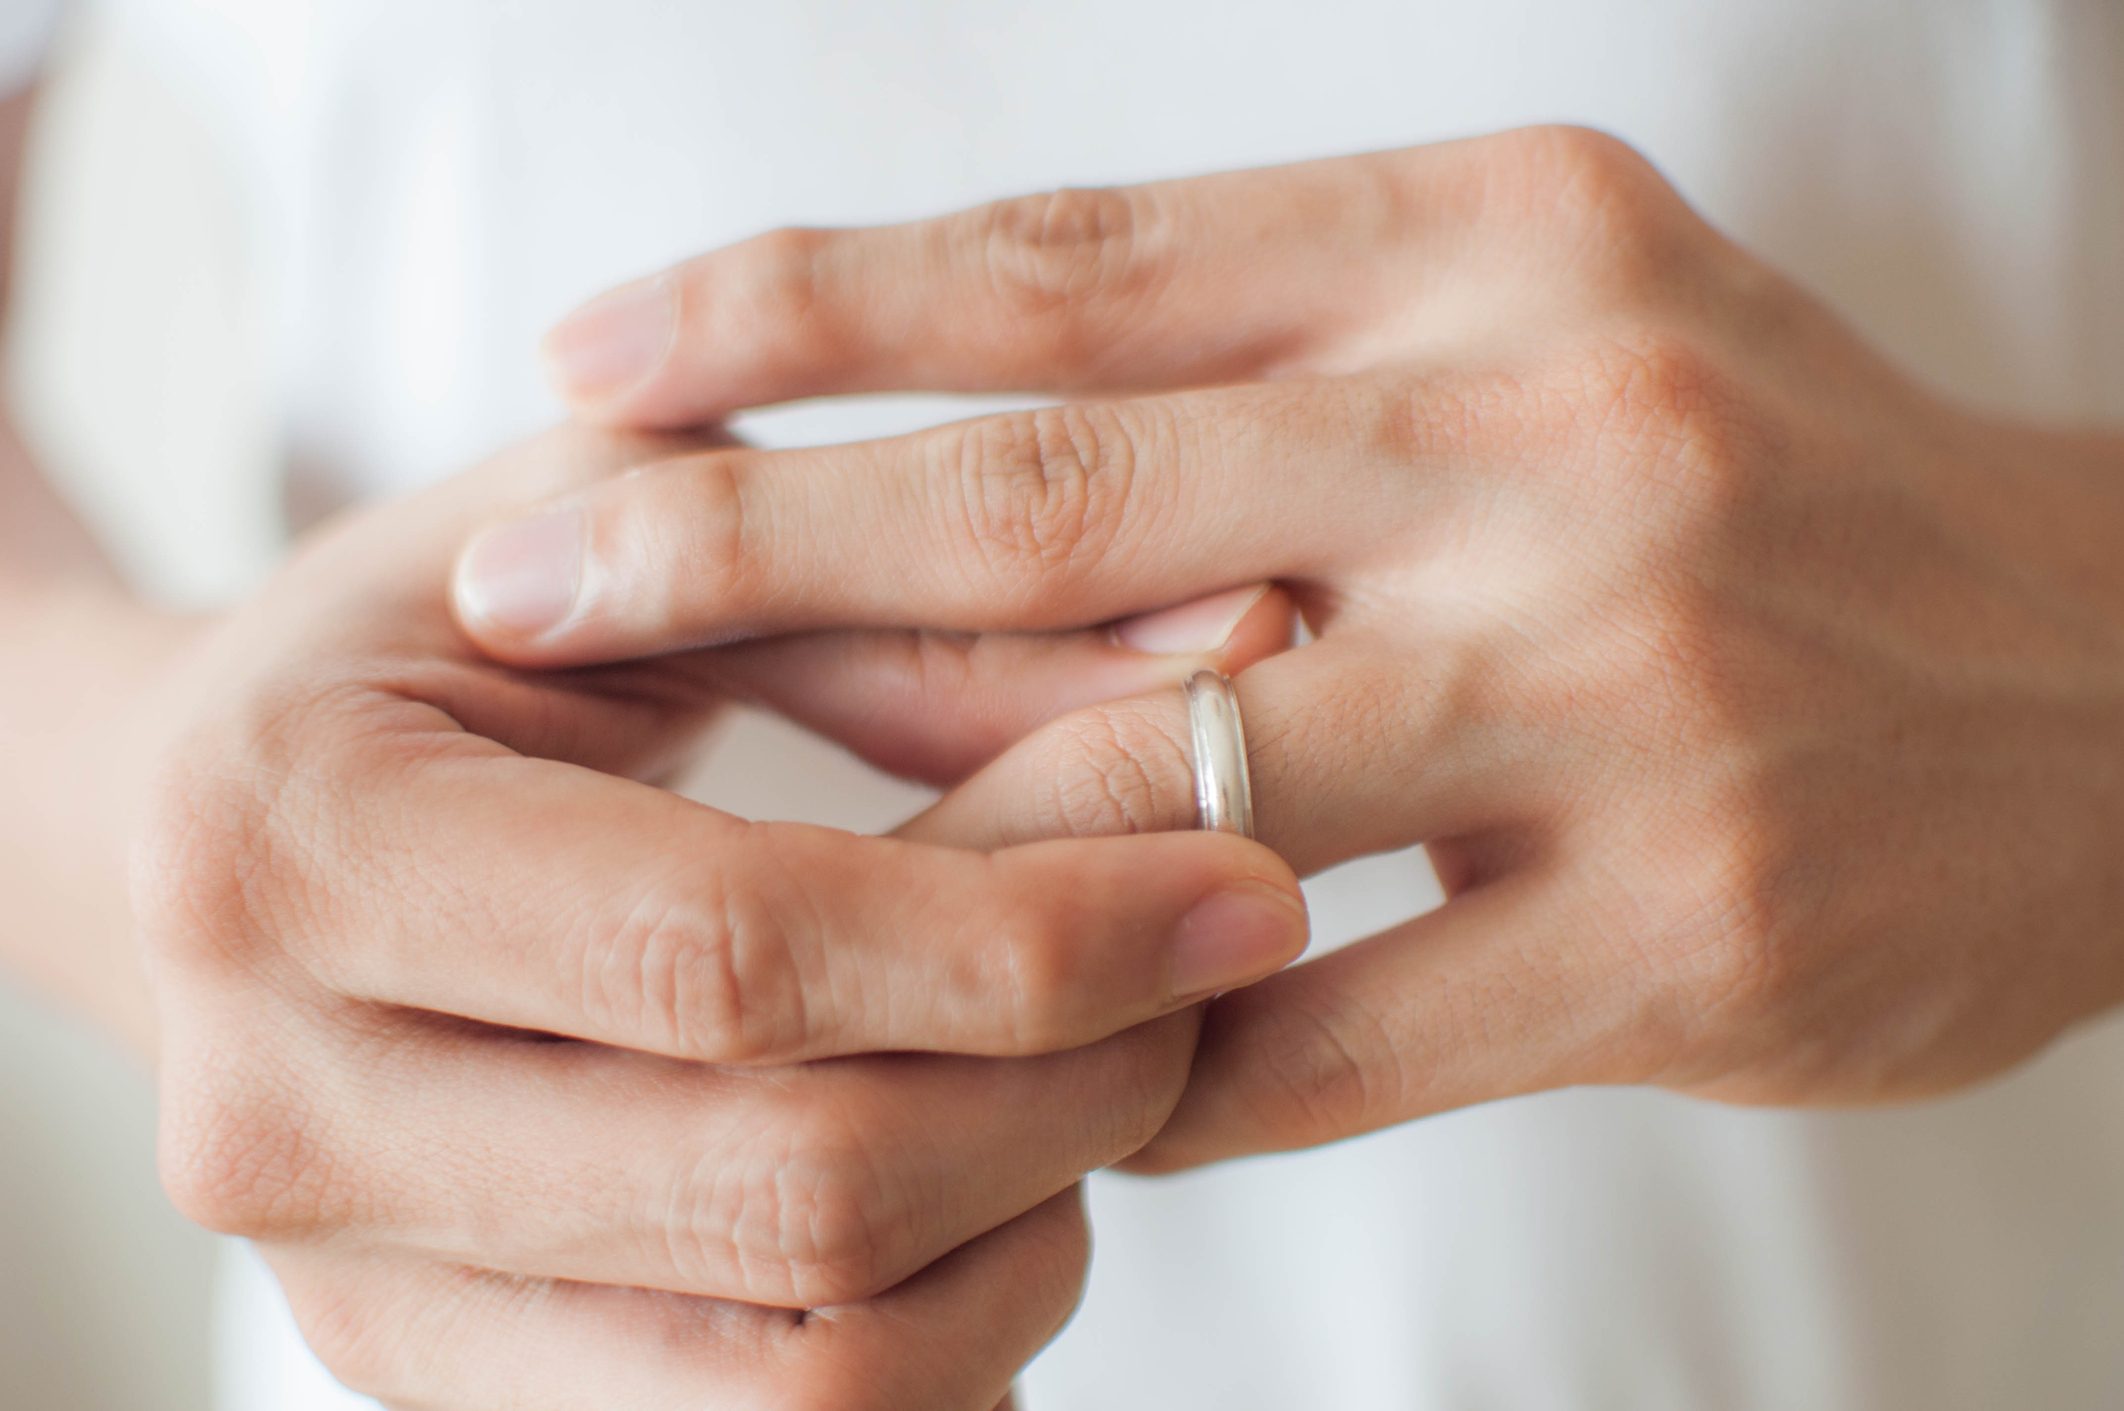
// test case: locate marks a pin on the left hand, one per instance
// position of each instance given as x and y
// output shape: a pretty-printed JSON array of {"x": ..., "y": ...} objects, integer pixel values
[{"x": 1763, "y": 712}]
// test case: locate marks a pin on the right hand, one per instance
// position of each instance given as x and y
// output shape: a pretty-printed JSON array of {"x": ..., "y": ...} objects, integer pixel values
[{"x": 543, "y": 1087}]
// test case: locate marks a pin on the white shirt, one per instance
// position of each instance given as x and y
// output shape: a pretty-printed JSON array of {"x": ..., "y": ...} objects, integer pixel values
[{"x": 438, "y": 179}]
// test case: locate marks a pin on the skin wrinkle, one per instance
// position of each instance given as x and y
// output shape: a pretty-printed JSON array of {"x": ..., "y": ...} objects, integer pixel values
[
  {"x": 794, "y": 307},
  {"x": 236, "y": 1167},
  {"x": 989, "y": 968},
  {"x": 1054, "y": 256},
  {"x": 1310, "y": 1080},
  {"x": 231, "y": 878},
  {"x": 1072, "y": 478},
  {"x": 1016, "y": 985},
  {"x": 759, "y": 985},
  {"x": 712, "y": 1216},
  {"x": 838, "y": 1219},
  {"x": 711, "y": 491}
]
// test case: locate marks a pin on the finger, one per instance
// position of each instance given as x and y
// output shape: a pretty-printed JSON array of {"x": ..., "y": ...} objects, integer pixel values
[
  {"x": 799, "y": 1188},
  {"x": 1059, "y": 517},
  {"x": 928, "y": 705},
  {"x": 935, "y": 706},
  {"x": 925, "y": 705},
  {"x": 444, "y": 1336},
  {"x": 1350, "y": 752},
  {"x": 401, "y": 568},
  {"x": 1500, "y": 992},
  {"x": 546, "y": 897},
  {"x": 1213, "y": 279},
  {"x": 915, "y": 1348}
]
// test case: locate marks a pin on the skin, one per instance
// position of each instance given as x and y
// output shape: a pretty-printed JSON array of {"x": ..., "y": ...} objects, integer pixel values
[
  {"x": 515, "y": 1065},
  {"x": 1763, "y": 711},
  {"x": 539, "y": 1085}
]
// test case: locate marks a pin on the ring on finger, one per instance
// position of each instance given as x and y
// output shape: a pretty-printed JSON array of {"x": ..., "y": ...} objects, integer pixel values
[{"x": 1224, "y": 791}]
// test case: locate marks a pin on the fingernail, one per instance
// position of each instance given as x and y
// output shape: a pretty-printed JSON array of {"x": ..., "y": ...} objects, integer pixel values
[
  {"x": 523, "y": 576},
  {"x": 1234, "y": 936},
  {"x": 1192, "y": 629},
  {"x": 614, "y": 342}
]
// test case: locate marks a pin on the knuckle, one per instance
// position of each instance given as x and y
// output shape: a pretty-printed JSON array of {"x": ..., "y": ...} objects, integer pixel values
[
  {"x": 700, "y": 969},
  {"x": 807, "y": 1218},
  {"x": 1308, "y": 1082},
  {"x": 376, "y": 1331},
  {"x": 1043, "y": 991},
  {"x": 832, "y": 1228},
  {"x": 1051, "y": 1259},
  {"x": 1150, "y": 1071},
  {"x": 1604, "y": 202},
  {"x": 221, "y": 861},
  {"x": 1057, "y": 1258},
  {"x": 361, "y": 1344},
  {"x": 1060, "y": 252},
  {"x": 193, "y": 853},
  {"x": 776, "y": 284},
  {"x": 1708, "y": 920},
  {"x": 696, "y": 515},
  {"x": 1660, "y": 412},
  {"x": 783, "y": 266},
  {"x": 1568, "y": 155},
  {"x": 1043, "y": 493},
  {"x": 1116, "y": 769},
  {"x": 1650, "y": 439},
  {"x": 209, "y": 860},
  {"x": 1049, "y": 1254},
  {"x": 1656, "y": 381},
  {"x": 1436, "y": 419},
  {"x": 233, "y": 1156}
]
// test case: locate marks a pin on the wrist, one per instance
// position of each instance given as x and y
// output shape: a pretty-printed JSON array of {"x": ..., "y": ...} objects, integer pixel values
[{"x": 79, "y": 729}]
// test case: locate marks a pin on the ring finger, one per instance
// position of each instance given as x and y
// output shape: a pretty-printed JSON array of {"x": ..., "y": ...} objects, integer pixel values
[{"x": 1350, "y": 751}]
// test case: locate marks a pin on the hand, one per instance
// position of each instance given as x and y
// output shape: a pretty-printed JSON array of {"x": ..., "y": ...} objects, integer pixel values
[
  {"x": 1764, "y": 713},
  {"x": 532, "y": 1080}
]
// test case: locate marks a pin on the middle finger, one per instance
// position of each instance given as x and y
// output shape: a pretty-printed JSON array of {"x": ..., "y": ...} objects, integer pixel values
[
  {"x": 531, "y": 895},
  {"x": 1357, "y": 744},
  {"x": 1056, "y": 517}
]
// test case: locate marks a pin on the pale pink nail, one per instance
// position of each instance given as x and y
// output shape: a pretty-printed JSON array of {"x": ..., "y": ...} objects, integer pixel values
[
  {"x": 1235, "y": 936},
  {"x": 524, "y": 576},
  {"x": 1192, "y": 629},
  {"x": 615, "y": 342}
]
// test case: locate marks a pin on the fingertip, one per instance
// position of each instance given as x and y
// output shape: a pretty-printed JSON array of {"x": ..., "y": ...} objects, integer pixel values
[
  {"x": 605, "y": 358},
  {"x": 1235, "y": 935},
  {"x": 520, "y": 581},
  {"x": 1195, "y": 628}
]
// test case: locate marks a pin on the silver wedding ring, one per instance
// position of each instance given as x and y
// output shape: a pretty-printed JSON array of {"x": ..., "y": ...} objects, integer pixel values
[{"x": 1224, "y": 792}]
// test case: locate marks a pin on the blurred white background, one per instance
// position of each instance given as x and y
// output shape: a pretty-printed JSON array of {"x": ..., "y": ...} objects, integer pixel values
[{"x": 132, "y": 366}]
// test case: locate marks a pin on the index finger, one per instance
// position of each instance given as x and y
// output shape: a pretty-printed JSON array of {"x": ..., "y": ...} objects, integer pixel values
[
  {"x": 540, "y": 896},
  {"x": 1054, "y": 518}
]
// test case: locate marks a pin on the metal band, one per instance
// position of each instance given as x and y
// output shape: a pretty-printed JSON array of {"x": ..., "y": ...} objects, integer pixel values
[{"x": 1224, "y": 792}]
